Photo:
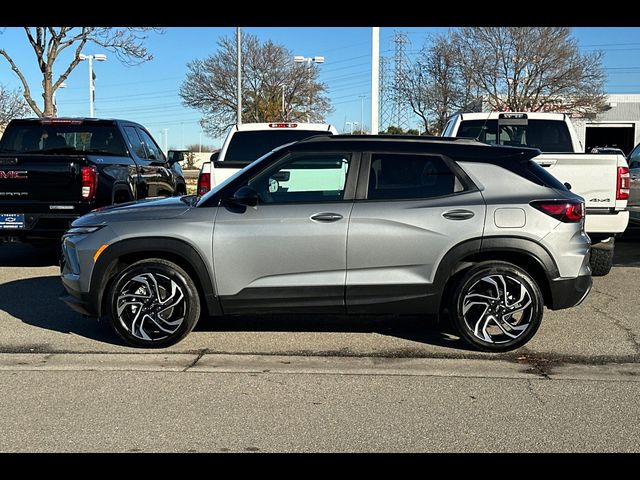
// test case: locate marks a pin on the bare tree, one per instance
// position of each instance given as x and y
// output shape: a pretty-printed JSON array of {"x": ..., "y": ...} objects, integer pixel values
[
  {"x": 48, "y": 43},
  {"x": 270, "y": 81},
  {"x": 11, "y": 106},
  {"x": 531, "y": 68},
  {"x": 438, "y": 85}
]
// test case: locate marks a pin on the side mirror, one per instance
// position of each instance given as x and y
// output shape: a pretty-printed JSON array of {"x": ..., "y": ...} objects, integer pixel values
[
  {"x": 568, "y": 185},
  {"x": 246, "y": 196},
  {"x": 175, "y": 156}
]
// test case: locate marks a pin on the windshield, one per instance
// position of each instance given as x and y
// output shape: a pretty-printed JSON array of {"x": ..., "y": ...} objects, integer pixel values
[
  {"x": 62, "y": 138},
  {"x": 250, "y": 145},
  {"x": 547, "y": 135}
]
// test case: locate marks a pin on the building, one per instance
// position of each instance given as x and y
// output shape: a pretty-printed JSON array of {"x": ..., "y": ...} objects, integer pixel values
[{"x": 619, "y": 126}]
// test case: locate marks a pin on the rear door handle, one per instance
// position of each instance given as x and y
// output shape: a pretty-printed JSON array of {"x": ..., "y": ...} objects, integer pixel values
[
  {"x": 458, "y": 214},
  {"x": 326, "y": 217}
]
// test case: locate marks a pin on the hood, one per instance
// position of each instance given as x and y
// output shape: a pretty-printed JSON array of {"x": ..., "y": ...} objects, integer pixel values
[{"x": 150, "y": 209}]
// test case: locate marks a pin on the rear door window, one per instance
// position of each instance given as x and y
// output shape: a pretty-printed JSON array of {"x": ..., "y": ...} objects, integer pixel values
[{"x": 405, "y": 176}]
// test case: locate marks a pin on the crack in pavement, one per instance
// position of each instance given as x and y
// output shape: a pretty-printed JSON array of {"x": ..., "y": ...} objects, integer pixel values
[
  {"x": 630, "y": 336},
  {"x": 533, "y": 393}
]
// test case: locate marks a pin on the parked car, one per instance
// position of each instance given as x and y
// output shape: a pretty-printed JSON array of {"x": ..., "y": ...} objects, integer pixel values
[
  {"x": 343, "y": 224},
  {"x": 634, "y": 189},
  {"x": 602, "y": 179},
  {"x": 52, "y": 171},
  {"x": 248, "y": 142}
]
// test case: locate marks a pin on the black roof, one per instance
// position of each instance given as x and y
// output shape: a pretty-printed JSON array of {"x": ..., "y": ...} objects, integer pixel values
[{"x": 465, "y": 149}]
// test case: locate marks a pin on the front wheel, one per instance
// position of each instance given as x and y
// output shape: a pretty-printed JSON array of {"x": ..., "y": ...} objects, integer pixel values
[
  {"x": 496, "y": 307},
  {"x": 153, "y": 303}
]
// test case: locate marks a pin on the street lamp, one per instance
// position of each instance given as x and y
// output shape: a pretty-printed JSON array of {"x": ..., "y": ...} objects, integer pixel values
[
  {"x": 362, "y": 97},
  {"x": 309, "y": 60},
  {"x": 55, "y": 105},
  {"x": 98, "y": 57}
]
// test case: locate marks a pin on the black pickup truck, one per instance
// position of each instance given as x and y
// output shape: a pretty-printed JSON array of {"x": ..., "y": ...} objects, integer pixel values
[{"x": 54, "y": 170}]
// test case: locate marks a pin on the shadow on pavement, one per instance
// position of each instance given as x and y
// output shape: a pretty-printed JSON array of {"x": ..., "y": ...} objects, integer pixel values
[
  {"x": 22, "y": 255},
  {"x": 35, "y": 302},
  {"x": 414, "y": 328},
  {"x": 627, "y": 250}
]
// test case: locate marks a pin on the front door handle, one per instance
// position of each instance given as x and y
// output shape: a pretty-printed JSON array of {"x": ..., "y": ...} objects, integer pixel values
[
  {"x": 326, "y": 217},
  {"x": 458, "y": 214}
]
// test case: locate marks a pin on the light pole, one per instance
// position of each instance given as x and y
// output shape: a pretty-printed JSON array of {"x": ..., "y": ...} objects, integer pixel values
[
  {"x": 99, "y": 57},
  {"x": 301, "y": 59},
  {"x": 362, "y": 97},
  {"x": 55, "y": 105}
]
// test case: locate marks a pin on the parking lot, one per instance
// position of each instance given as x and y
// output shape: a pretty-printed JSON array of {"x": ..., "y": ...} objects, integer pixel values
[{"x": 316, "y": 384}]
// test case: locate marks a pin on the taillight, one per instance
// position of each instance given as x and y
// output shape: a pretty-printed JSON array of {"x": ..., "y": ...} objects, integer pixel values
[
  {"x": 624, "y": 183},
  {"x": 204, "y": 183},
  {"x": 566, "y": 211},
  {"x": 89, "y": 183}
]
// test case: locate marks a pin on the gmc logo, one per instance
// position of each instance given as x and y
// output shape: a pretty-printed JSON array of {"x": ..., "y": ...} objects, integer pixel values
[{"x": 13, "y": 174}]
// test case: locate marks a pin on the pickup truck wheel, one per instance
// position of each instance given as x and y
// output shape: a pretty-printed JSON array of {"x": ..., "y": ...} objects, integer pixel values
[
  {"x": 153, "y": 304},
  {"x": 496, "y": 307},
  {"x": 602, "y": 257}
]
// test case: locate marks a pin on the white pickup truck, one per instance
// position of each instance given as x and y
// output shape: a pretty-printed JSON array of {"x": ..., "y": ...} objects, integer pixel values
[
  {"x": 248, "y": 142},
  {"x": 601, "y": 179}
]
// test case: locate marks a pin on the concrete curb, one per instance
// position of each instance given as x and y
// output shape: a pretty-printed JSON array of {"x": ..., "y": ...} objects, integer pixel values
[{"x": 281, "y": 364}]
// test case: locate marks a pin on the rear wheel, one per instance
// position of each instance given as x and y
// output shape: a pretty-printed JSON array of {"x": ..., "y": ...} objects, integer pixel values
[
  {"x": 153, "y": 303},
  {"x": 496, "y": 307},
  {"x": 601, "y": 259}
]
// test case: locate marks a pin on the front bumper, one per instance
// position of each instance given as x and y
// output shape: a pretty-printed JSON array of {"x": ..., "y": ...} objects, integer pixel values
[
  {"x": 79, "y": 301},
  {"x": 569, "y": 292}
]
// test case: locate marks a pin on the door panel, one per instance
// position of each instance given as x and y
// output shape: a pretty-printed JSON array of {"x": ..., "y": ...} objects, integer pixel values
[
  {"x": 395, "y": 247},
  {"x": 289, "y": 252},
  {"x": 396, "y": 243},
  {"x": 274, "y": 257}
]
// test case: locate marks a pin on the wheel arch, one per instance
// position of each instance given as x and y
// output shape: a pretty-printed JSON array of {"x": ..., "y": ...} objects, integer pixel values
[
  {"x": 522, "y": 252},
  {"x": 125, "y": 252}
]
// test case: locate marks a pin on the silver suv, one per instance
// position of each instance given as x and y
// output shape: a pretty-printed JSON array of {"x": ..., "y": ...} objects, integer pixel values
[{"x": 343, "y": 224}]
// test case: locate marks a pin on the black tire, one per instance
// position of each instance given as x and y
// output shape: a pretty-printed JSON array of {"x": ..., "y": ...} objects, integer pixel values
[
  {"x": 471, "y": 295},
  {"x": 601, "y": 259},
  {"x": 165, "y": 316}
]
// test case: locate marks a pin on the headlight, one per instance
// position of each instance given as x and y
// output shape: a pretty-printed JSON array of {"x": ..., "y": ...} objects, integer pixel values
[{"x": 81, "y": 230}]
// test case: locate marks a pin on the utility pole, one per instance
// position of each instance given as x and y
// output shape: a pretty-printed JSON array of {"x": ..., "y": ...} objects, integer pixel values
[
  {"x": 166, "y": 140},
  {"x": 375, "y": 77},
  {"x": 362, "y": 97},
  {"x": 239, "y": 60}
]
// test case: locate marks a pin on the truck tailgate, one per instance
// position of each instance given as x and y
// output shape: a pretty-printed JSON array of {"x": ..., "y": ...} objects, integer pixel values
[
  {"x": 592, "y": 176},
  {"x": 36, "y": 180}
]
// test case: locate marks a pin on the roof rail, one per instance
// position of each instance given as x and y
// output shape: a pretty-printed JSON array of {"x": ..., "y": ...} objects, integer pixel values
[{"x": 418, "y": 138}]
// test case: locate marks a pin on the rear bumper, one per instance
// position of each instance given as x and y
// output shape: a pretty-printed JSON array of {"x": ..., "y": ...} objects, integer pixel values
[
  {"x": 569, "y": 292},
  {"x": 41, "y": 226},
  {"x": 609, "y": 223}
]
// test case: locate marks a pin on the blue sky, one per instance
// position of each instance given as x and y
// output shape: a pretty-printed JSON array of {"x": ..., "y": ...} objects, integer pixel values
[{"x": 148, "y": 93}]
